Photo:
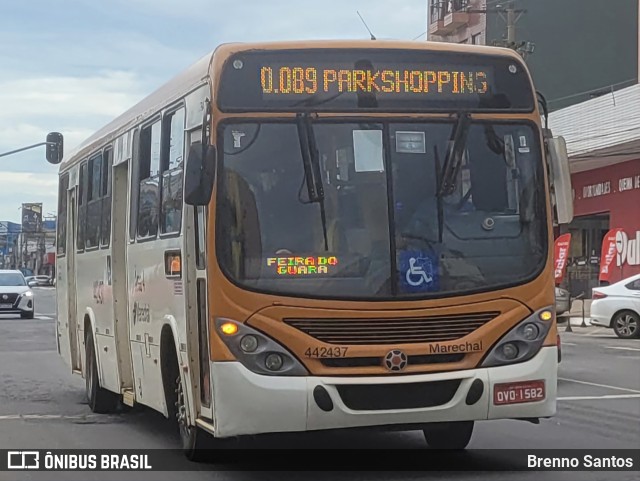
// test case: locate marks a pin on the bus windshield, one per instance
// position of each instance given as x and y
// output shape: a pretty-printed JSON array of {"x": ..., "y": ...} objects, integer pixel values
[{"x": 378, "y": 226}]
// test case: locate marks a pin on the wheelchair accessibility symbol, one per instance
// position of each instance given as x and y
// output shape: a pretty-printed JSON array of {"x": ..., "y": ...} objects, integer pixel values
[
  {"x": 418, "y": 271},
  {"x": 416, "y": 274}
]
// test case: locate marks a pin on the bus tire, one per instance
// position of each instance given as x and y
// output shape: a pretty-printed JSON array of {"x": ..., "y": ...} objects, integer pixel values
[
  {"x": 453, "y": 435},
  {"x": 100, "y": 400},
  {"x": 194, "y": 441}
]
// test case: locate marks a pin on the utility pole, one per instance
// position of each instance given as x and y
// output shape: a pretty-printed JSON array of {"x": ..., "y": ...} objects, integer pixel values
[
  {"x": 511, "y": 24},
  {"x": 510, "y": 15}
]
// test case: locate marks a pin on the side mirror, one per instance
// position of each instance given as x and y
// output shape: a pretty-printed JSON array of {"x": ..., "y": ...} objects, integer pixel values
[
  {"x": 200, "y": 174},
  {"x": 55, "y": 143},
  {"x": 562, "y": 193},
  {"x": 32, "y": 283}
]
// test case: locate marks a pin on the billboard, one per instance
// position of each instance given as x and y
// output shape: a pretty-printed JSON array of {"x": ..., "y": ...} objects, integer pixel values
[{"x": 31, "y": 217}]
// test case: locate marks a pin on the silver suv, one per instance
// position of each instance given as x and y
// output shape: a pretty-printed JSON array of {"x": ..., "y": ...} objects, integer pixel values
[{"x": 16, "y": 297}]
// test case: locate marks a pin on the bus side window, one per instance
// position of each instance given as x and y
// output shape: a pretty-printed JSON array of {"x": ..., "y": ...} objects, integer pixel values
[
  {"x": 135, "y": 178},
  {"x": 82, "y": 207},
  {"x": 172, "y": 168},
  {"x": 149, "y": 169},
  {"x": 62, "y": 215},
  {"x": 105, "y": 193},
  {"x": 94, "y": 205}
]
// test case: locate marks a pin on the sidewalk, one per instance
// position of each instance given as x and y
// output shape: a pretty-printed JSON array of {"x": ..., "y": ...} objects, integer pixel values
[{"x": 575, "y": 314}]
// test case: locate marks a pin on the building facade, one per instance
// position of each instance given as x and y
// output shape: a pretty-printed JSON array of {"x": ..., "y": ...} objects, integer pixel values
[
  {"x": 603, "y": 140},
  {"x": 583, "y": 48},
  {"x": 454, "y": 21},
  {"x": 31, "y": 251},
  {"x": 9, "y": 244}
]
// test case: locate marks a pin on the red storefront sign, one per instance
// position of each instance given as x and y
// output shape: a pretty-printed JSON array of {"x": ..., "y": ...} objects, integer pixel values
[
  {"x": 608, "y": 254},
  {"x": 561, "y": 255},
  {"x": 613, "y": 190}
]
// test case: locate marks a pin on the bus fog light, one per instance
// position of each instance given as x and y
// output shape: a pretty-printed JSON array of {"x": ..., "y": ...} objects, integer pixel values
[
  {"x": 274, "y": 362},
  {"x": 510, "y": 351},
  {"x": 249, "y": 343},
  {"x": 530, "y": 332}
]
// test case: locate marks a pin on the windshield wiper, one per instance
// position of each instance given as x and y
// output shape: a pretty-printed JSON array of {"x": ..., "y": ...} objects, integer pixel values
[
  {"x": 453, "y": 160},
  {"x": 316, "y": 99},
  {"x": 311, "y": 165}
]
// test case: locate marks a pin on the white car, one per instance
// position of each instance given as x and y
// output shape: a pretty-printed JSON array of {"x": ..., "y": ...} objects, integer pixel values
[
  {"x": 16, "y": 297},
  {"x": 618, "y": 307}
]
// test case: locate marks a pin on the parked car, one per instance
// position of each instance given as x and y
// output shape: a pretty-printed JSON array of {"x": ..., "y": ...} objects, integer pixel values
[
  {"x": 618, "y": 307},
  {"x": 38, "y": 281},
  {"x": 16, "y": 297},
  {"x": 43, "y": 280},
  {"x": 563, "y": 302}
]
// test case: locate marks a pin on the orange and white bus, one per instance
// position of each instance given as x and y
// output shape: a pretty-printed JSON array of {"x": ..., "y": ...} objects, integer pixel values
[{"x": 318, "y": 235}]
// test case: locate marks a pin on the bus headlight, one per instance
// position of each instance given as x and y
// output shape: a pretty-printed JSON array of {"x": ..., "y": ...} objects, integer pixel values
[
  {"x": 256, "y": 351},
  {"x": 274, "y": 362},
  {"x": 249, "y": 343},
  {"x": 523, "y": 341}
]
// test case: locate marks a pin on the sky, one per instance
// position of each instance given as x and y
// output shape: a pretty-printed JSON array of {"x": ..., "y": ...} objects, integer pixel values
[{"x": 71, "y": 66}]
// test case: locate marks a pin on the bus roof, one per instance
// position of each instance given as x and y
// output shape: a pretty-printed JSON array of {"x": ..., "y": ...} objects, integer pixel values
[{"x": 201, "y": 71}]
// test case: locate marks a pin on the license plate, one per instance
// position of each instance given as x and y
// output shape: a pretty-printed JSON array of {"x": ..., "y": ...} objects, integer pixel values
[
  {"x": 518, "y": 392},
  {"x": 6, "y": 306}
]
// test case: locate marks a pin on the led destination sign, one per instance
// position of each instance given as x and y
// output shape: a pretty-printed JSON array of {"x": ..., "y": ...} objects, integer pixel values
[
  {"x": 373, "y": 79},
  {"x": 300, "y": 81}
]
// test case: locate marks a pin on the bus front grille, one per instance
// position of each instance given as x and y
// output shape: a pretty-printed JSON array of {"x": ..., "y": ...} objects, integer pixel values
[{"x": 392, "y": 331}]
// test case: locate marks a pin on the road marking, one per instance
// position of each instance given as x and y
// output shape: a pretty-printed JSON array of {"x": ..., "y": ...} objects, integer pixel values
[
  {"x": 44, "y": 318},
  {"x": 15, "y": 417},
  {"x": 569, "y": 344},
  {"x": 593, "y": 398},
  {"x": 635, "y": 391},
  {"x": 623, "y": 348}
]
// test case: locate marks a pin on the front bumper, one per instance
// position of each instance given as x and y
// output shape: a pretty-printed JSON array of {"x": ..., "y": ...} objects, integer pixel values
[
  {"x": 249, "y": 403},
  {"x": 22, "y": 304}
]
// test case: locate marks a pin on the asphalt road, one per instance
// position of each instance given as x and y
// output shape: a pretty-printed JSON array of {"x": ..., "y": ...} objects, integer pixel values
[{"x": 43, "y": 406}]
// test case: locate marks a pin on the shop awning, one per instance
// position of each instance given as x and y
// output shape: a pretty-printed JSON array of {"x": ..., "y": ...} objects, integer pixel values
[{"x": 602, "y": 131}]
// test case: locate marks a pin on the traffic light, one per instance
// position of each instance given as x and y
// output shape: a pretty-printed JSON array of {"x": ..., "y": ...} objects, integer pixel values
[{"x": 54, "y": 147}]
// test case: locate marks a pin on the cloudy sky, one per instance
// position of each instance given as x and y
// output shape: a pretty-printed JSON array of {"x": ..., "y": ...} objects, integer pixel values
[{"x": 73, "y": 65}]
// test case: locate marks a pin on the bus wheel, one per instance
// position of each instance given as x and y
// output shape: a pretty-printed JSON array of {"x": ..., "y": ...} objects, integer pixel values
[
  {"x": 454, "y": 435},
  {"x": 100, "y": 399},
  {"x": 194, "y": 440}
]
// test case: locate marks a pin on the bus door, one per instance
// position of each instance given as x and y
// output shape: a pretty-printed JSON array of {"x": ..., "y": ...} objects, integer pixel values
[
  {"x": 198, "y": 314},
  {"x": 119, "y": 277},
  {"x": 72, "y": 296}
]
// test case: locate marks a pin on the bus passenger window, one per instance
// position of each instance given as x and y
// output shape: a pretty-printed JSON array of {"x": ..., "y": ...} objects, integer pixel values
[
  {"x": 107, "y": 164},
  {"x": 149, "y": 193},
  {"x": 172, "y": 163},
  {"x": 94, "y": 203},
  {"x": 82, "y": 207}
]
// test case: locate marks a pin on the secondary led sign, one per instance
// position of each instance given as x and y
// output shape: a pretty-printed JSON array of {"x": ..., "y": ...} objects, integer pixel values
[{"x": 301, "y": 266}]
